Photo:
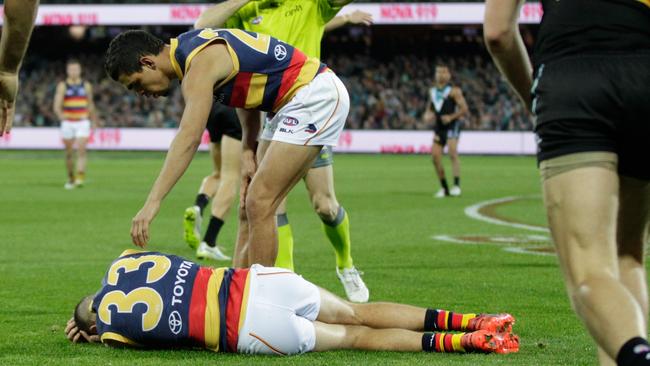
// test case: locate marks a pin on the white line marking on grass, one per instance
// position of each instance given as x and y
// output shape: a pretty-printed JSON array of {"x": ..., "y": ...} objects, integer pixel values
[
  {"x": 529, "y": 250},
  {"x": 474, "y": 213}
]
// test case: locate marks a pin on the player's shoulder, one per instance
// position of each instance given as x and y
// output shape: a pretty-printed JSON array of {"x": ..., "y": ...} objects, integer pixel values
[{"x": 456, "y": 90}]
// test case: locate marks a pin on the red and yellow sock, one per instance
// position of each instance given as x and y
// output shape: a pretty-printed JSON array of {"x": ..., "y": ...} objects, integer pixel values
[
  {"x": 446, "y": 320},
  {"x": 443, "y": 342}
]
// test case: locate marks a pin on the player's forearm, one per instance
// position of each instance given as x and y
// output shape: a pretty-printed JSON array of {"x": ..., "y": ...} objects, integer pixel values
[
  {"x": 19, "y": 18},
  {"x": 510, "y": 56},
  {"x": 501, "y": 33},
  {"x": 217, "y": 15},
  {"x": 178, "y": 158},
  {"x": 337, "y": 22}
]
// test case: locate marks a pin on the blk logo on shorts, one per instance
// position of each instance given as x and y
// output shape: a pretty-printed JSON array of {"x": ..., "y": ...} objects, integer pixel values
[
  {"x": 311, "y": 128},
  {"x": 290, "y": 121},
  {"x": 257, "y": 20}
]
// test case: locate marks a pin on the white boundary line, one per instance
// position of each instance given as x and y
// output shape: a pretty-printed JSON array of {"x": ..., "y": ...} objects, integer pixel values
[
  {"x": 527, "y": 250},
  {"x": 473, "y": 212}
]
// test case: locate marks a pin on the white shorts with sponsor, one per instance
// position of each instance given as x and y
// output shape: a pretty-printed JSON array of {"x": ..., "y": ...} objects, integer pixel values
[
  {"x": 75, "y": 129},
  {"x": 314, "y": 116},
  {"x": 282, "y": 307}
]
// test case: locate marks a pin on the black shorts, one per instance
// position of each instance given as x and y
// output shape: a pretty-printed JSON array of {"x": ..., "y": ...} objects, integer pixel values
[
  {"x": 595, "y": 103},
  {"x": 445, "y": 132},
  {"x": 223, "y": 121}
]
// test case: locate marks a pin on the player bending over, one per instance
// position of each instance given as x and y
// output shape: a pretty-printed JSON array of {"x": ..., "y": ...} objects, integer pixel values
[{"x": 150, "y": 299}]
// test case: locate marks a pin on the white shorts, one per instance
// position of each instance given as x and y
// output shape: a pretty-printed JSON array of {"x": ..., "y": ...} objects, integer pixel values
[
  {"x": 75, "y": 129},
  {"x": 282, "y": 307},
  {"x": 314, "y": 116}
]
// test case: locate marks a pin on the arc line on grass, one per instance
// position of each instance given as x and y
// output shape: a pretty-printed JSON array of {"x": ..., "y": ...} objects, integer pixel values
[{"x": 475, "y": 212}]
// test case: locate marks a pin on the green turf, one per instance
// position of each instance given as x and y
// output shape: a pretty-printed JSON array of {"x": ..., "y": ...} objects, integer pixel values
[{"x": 56, "y": 245}]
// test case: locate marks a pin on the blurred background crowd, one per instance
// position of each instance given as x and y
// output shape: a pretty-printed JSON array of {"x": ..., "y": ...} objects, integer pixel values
[{"x": 387, "y": 73}]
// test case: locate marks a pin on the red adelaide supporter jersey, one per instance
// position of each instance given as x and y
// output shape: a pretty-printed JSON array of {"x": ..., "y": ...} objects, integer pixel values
[
  {"x": 151, "y": 299},
  {"x": 267, "y": 72}
]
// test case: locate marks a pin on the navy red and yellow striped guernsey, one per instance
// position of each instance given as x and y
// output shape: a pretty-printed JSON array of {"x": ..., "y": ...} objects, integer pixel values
[
  {"x": 75, "y": 102},
  {"x": 267, "y": 72},
  {"x": 150, "y": 299}
]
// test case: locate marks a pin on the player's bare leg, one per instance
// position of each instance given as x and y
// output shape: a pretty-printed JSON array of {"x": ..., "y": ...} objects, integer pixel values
[
  {"x": 69, "y": 162},
  {"x": 455, "y": 165},
  {"x": 229, "y": 178},
  {"x": 82, "y": 158},
  {"x": 391, "y": 327},
  {"x": 582, "y": 218},
  {"x": 210, "y": 183},
  {"x": 436, "y": 155},
  {"x": 632, "y": 233},
  {"x": 193, "y": 215},
  {"x": 336, "y": 225},
  {"x": 223, "y": 199},
  {"x": 280, "y": 168},
  {"x": 240, "y": 256}
]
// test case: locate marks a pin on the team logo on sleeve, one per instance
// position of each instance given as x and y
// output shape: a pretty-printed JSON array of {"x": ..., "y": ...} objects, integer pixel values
[
  {"x": 280, "y": 52},
  {"x": 256, "y": 20},
  {"x": 175, "y": 322}
]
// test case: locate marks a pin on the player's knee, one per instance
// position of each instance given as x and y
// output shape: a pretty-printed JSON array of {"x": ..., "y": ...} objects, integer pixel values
[
  {"x": 325, "y": 207},
  {"x": 258, "y": 207}
]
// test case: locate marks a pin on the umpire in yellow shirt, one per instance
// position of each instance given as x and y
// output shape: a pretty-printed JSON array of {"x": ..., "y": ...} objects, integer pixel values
[{"x": 302, "y": 24}]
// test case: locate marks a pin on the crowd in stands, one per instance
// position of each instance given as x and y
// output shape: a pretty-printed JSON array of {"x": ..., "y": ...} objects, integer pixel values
[{"x": 387, "y": 92}]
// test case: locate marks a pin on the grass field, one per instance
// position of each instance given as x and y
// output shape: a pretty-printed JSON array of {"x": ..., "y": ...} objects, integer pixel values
[{"x": 57, "y": 244}]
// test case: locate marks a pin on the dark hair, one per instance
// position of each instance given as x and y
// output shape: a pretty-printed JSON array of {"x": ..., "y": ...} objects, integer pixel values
[
  {"x": 125, "y": 50},
  {"x": 82, "y": 314},
  {"x": 442, "y": 64},
  {"x": 73, "y": 61}
]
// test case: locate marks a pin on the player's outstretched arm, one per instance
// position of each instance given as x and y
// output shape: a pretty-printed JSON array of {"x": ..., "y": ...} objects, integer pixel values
[
  {"x": 506, "y": 46},
  {"x": 19, "y": 18},
  {"x": 217, "y": 15},
  {"x": 207, "y": 68},
  {"x": 356, "y": 17}
]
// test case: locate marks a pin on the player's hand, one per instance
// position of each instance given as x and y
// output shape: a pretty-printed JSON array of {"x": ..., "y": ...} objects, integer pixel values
[
  {"x": 428, "y": 116},
  {"x": 446, "y": 119},
  {"x": 141, "y": 221},
  {"x": 360, "y": 17},
  {"x": 248, "y": 168},
  {"x": 78, "y": 336},
  {"x": 8, "y": 91}
]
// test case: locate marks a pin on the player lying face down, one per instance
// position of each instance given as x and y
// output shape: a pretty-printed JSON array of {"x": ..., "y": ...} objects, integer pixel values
[
  {"x": 155, "y": 300},
  {"x": 251, "y": 72}
]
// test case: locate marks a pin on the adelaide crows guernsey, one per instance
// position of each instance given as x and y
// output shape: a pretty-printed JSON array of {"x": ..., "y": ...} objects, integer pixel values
[
  {"x": 150, "y": 299},
  {"x": 75, "y": 102},
  {"x": 267, "y": 72}
]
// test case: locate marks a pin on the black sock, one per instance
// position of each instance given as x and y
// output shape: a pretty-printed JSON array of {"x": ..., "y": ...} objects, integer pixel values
[
  {"x": 214, "y": 226},
  {"x": 202, "y": 200},
  {"x": 634, "y": 353},
  {"x": 457, "y": 181},
  {"x": 443, "y": 183},
  {"x": 428, "y": 342},
  {"x": 430, "y": 322}
]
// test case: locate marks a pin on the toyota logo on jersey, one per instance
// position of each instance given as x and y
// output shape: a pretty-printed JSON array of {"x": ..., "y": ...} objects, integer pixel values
[
  {"x": 280, "y": 52},
  {"x": 175, "y": 322}
]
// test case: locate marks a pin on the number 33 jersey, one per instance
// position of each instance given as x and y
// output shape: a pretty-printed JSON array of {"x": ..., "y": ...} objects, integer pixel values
[
  {"x": 267, "y": 72},
  {"x": 149, "y": 299}
]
